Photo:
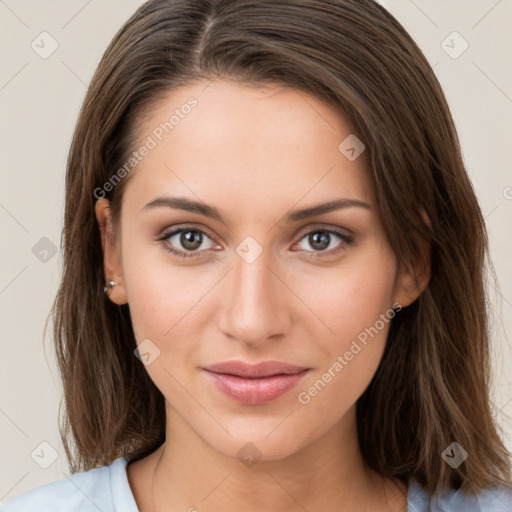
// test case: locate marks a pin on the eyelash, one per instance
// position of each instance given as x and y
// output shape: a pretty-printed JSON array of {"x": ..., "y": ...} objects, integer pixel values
[{"x": 314, "y": 254}]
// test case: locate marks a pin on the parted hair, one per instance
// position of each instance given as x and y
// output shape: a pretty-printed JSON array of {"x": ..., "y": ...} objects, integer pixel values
[{"x": 433, "y": 384}]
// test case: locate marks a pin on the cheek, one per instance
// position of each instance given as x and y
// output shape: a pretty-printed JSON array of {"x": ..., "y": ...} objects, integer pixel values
[
  {"x": 355, "y": 303},
  {"x": 161, "y": 295},
  {"x": 167, "y": 307},
  {"x": 151, "y": 296},
  {"x": 352, "y": 296},
  {"x": 162, "y": 312}
]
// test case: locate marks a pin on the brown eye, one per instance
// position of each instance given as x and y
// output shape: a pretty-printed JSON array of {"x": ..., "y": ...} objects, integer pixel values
[
  {"x": 191, "y": 240},
  {"x": 323, "y": 242},
  {"x": 319, "y": 240},
  {"x": 185, "y": 242}
]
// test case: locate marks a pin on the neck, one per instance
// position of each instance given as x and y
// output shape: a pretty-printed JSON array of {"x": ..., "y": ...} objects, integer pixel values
[{"x": 187, "y": 474}]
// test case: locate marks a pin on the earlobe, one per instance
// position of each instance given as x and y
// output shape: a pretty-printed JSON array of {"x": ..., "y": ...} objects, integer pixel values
[{"x": 111, "y": 264}]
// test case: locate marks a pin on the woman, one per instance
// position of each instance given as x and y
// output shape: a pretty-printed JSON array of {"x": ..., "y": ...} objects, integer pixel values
[{"x": 273, "y": 294}]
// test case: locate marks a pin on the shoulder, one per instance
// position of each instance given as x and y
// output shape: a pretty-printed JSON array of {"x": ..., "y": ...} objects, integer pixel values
[
  {"x": 497, "y": 498},
  {"x": 93, "y": 490}
]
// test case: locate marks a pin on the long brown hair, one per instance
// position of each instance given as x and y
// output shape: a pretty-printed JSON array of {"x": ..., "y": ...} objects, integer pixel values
[{"x": 432, "y": 385}]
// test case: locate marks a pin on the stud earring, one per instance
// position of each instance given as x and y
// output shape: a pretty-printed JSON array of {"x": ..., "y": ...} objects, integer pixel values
[{"x": 110, "y": 285}]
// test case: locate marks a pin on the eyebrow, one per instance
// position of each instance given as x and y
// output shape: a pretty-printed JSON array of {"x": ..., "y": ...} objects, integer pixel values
[{"x": 190, "y": 205}]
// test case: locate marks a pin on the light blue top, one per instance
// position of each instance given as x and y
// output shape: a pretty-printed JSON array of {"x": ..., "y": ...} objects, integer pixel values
[{"x": 106, "y": 489}]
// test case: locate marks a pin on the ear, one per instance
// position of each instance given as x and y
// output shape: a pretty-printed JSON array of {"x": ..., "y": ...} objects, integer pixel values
[
  {"x": 411, "y": 282},
  {"x": 111, "y": 263}
]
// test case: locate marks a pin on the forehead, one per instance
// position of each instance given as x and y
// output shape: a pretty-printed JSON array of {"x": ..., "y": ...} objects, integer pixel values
[{"x": 248, "y": 146}]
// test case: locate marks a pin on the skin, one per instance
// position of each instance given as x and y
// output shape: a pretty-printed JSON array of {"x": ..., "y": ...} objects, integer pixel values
[{"x": 255, "y": 154}]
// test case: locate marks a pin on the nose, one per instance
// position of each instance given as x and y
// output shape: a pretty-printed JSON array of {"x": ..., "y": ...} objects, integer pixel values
[{"x": 256, "y": 308}]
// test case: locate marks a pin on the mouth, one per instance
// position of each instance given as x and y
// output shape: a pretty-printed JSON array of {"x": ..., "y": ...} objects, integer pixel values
[
  {"x": 263, "y": 369},
  {"x": 255, "y": 384}
]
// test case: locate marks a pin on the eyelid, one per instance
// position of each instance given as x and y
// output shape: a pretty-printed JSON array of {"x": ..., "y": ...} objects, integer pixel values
[
  {"x": 346, "y": 238},
  {"x": 168, "y": 232},
  {"x": 324, "y": 226}
]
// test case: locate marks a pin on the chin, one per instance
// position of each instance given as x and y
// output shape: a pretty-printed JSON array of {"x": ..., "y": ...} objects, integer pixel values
[{"x": 259, "y": 441}]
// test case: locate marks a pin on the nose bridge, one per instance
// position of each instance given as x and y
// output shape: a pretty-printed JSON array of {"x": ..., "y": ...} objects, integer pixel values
[{"x": 255, "y": 306}]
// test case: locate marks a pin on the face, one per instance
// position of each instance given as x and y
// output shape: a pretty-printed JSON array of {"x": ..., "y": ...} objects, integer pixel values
[{"x": 254, "y": 282}]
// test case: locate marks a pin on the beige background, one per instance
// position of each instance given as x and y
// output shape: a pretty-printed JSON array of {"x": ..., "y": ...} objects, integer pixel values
[{"x": 40, "y": 100}]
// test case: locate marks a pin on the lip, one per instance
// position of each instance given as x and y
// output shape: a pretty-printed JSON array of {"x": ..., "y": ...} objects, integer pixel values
[
  {"x": 247, "y": 370},
  {"x": 255, "y": 384}
]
